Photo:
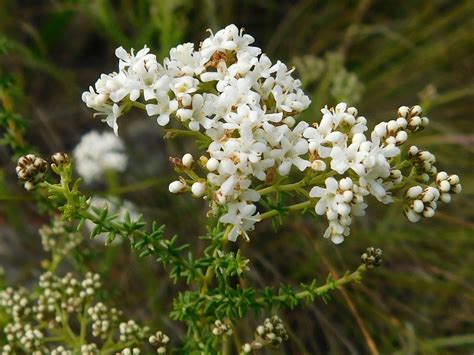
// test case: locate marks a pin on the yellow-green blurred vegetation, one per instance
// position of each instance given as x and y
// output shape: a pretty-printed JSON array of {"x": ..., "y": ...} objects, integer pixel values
[{"x": 375, "y": 55}]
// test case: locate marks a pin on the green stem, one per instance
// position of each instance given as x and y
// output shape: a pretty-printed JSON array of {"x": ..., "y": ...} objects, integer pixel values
[
  {"x": 295, "y": 207},
  {"x": 112, "y": 181},
  {"x": 321, "y": 290},
  {"x": 355, "y": 276},
  {"x": 287, "y": 187},
  {"x": 208, "y": 276},
  {"x": 84, "y": 321},
  {"x": 456, "y": 340},
  {"x": 175, "y": 132},
  {"x": 56, "y": 259},
  {"x": 138, "y": 105},
  {"x": 225, "y": 345}
]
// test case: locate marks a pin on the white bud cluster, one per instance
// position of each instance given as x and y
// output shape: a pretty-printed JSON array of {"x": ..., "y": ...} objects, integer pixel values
[
  {"x": 58, "y": 238},
  {"x": 271, "y": 333},
  {"x": 130, "y": 351},
  {"x": 413, "y": 116},
  {"x": 423, "y": 161},
  {"x": 160, "y": 341},
  {"x": 421, "y": 202},
  {"x": 103, "y": 319},
  {"x": 447, "y": 185},
  {"x": 98, "y": 153},
  {"x": 89, "y": 349},
  {"x": 33, "y": 319},
  {"x": 130, "y": 331},
  {"x": 66, "y": 293},
  {"x": 7, "y": 350},
  {"x": 25, "y": 336},
  {"x": 232, "y": 96},
  {"x": 15, "y": 303},
  {"x": 31, "y": 169},
  {"x": 61, "y": 350},
  {"x": 220, "y": 328}
]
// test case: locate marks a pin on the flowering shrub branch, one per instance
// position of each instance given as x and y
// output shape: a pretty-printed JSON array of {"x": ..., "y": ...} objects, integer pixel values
[{"x": 257, "y": 160}]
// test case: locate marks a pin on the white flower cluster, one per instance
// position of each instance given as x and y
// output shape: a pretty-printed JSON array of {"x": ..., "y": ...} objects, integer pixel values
[
  {"x": 159, "y": 341},
  {"x": 228, "y": 93},
  {"x": 130, "y": 331},
  {"x": 97, "y": 153}
]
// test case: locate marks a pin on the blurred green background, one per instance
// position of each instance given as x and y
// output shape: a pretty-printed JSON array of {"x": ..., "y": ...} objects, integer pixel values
[{"x": 375, "y": 55}]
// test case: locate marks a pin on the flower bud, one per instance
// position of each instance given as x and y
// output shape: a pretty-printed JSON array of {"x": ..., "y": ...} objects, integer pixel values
[
  {"x": 60, "y": 159},
  {"x": 401, "y": 137},
  {"x": 444, "y": 186},
  {"x": 176, "y": 187},
  {"x": 457, "y": 189},
  {"x": 392, "y": 126},
  {"x": 345, "y": 184},
  {"x": 445, "y": 197},
  {"x": 418, "y": 206},
  {"x": 402, "y": 122},
  {"x": 187, "y": 160},
  {"x": 352, "y": 111},
  {"x": 414, "y": 191},
  {"x": 289, "y": 121},
  {"x": 31, "y": 169},
  {"x": 442, "y": 175},
  {"x": 372, "y": 258},
  {"x": 412, "y": 216},
  {"x": 424, "y": 122},
  {"x": 318, "y": 165},
  {"x": 212, "y": 164},
  {"x": 403, "y": 111},
  {"x": 198, "y": 189},
  {"x": 415, "y": 111},
  {"x": 453, "y": 179}
]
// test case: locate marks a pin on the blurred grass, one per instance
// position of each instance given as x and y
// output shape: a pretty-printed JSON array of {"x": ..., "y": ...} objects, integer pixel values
[{"x": 420, "y": 301}]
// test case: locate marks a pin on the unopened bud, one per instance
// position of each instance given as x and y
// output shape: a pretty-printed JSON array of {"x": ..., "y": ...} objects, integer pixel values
[
  {"x": 187, "y": 160},
  {"x": 176, "y": 187},
  {"x": 60, "y": 159},
  {"x": 198, "y": 189},
  {"x": 403, "y": 111},
  {"x": 212, "y": 164},
  {"x": 372, "y": 258}
]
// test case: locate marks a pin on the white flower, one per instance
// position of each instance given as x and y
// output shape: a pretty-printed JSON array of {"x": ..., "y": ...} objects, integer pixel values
[
  {"x": 228, "y": 39},
  {"x": 242, "y": 217},
  {"x": 164, "y": 108},
  {"x": 292, "y": 146},
  {"x": 327, "y": 196},
  {"x": 98, "y": 152},
  {"x": 338, "y": 201}
]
